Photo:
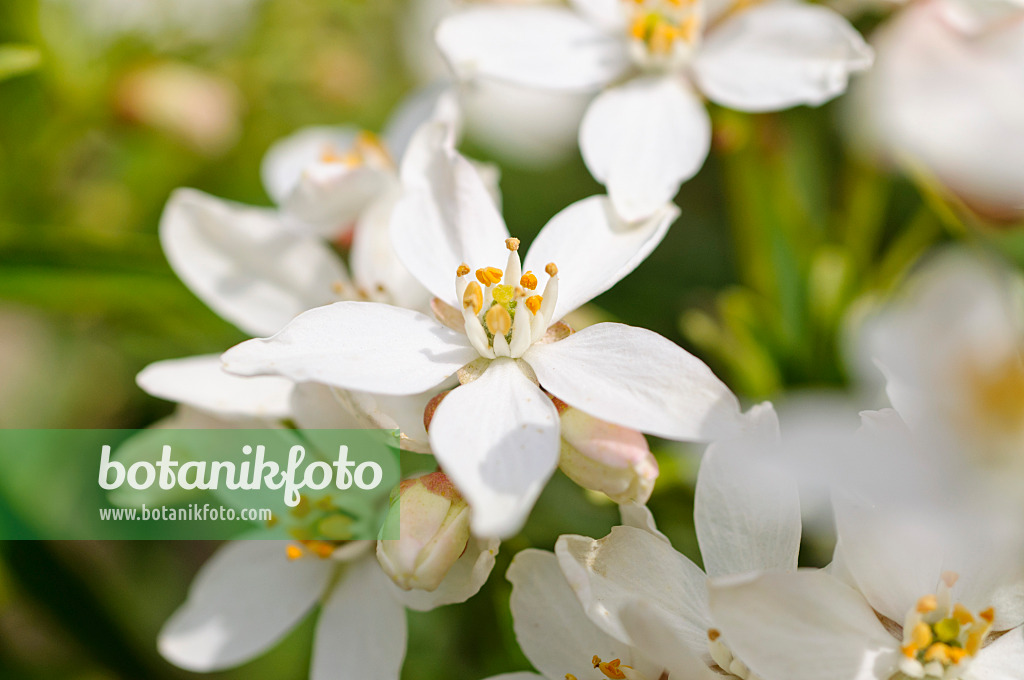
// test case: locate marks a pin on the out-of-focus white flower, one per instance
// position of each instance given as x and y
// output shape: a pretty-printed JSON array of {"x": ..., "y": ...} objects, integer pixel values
[
  {"x": 951, "y": 347},
  {"x": 250, "y": 594},
  {"x": 497, "y": 434},
  {"x": 905, "y": 599},
  {"x": 520, "y": 125},
  {"x": 433, "y": 527},
  {"x": 946, "y": 94},
  {"x": 162, "y": 22},
  {"x": 647, "y": 130},
  {"x": 636, "y": 588}
]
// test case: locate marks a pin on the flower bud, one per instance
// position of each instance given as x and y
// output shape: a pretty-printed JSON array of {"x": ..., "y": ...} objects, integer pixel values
[
  {"x": 433, "y": 523},
  {"x": 601, "y": 456}
]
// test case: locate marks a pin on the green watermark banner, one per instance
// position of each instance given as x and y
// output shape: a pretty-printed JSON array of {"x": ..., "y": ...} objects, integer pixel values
[{"x": 320, "y": 486}]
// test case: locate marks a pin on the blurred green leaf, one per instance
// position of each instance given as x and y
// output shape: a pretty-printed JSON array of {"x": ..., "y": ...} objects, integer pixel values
[{"x": 16, "y": 60}]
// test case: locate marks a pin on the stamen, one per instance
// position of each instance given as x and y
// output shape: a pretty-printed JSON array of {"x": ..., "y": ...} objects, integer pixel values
[
  {"x": 512, "y": 244},
  {"x": 473, "y": 298},
  {"x": 462, "y": 270},
  {"x": 610, "y": 669},
  {"x": 921, "y": 636},
  {"x": 488, "y": 276},
  {"x": 533, "y": 303},
  {"x": 950, "y": 578},
  {"x": 293, "y": 552},
  {"x": 498, "y": 320},
  {"x": 551, "y": 269},
  {"x": 927, "y": 604},
  {"x": 528, "y": 281}
]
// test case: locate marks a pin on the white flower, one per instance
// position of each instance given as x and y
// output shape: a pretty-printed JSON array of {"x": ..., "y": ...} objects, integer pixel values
[
  {"x": 557, "y": 637},
  {"x": 250, "y": 594},
  {"x": 647, "y": 130},
  {"x": 638, "y": 589},
  {"x": 951, "y": 347},
  {"x": 907, "y": 600},
  {"x": 946, "y": 95},
  {"x": 497, "y": 435}
]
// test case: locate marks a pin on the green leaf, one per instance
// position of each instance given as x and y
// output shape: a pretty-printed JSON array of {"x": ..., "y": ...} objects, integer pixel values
[{"x": 18, "y": 59}]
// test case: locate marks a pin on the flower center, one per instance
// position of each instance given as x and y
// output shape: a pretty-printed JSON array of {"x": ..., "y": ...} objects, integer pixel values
[
  {"x": 502, "y": 314},
  {"x": 940, "y": 638},
  {"x": 613, "y": 670},
  {"x": 663, "y": 33},
  {"x": 318, "y": 527},
  {"x": 725, "y": 659},
  {"x": 367, "y": 151}
]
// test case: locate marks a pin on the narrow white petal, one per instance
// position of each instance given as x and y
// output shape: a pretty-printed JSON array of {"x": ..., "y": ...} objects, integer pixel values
[
  {"x": 652, "y": 633},
  {"x": 643, "y": 139},
  {"x": 445, "y": 217},
  {"x": 376, "y": 269},
  {"x": 359, "y": 346},
  {"x": 361, "y": 632},
  {"x": 631, "y": 564},
  {"x": 778, "y": 55},
  {"x": 747, "y": 511},
  {"x": 245, "y": 599},
  {"x": 594, "y": 248},
  {"x": 548, "y": 47},
  {"x": 551, "y": 627},
  {"x": 244, "y": 263},
  {"x": 640, "y": 517},
  {"x": 802, "y": 626},
  {"x": 638, "y": 379},
  {"x": 201, "y": 382},
  {"x": 497, "y": 439},
  {"x": 435, "y": 102},
  {"x": 463, "y": 581}
]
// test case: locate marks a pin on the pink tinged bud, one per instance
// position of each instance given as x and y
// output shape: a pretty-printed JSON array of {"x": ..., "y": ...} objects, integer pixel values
[
  {"x": 600, "y": 456},
  {"x": 433, "y": 528}
]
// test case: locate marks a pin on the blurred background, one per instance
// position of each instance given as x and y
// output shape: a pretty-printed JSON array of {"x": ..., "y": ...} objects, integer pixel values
[{"x": 106, "y": 106}]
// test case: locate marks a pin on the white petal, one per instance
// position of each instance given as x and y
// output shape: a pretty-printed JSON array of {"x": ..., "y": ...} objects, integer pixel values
[
  {"x": 610, "y": 15},
  {"x": 315, "y": 407},
  {"x": 201, "y": 383},
  {"x": 643, "y": 139},
  {"x": 288, "y": 158},
  {"x": 636, "y": 378},
  {"x": 640, "y": 517},
  {"x": 1002, "y": 659},
  {"x": 388, "y": 412},
  {"x": 594, "y": 248},
  {"x": 359, "y": 346},
  {"x": 435, "y": 102},
  {"x": 652, "y": 633},
  {"x": 244, "y": 263},
  {"x": 746, "y": 511},
  {"x": 497, "y": 439},
  {"x": 445, "y": 217},
  {"x": 462, "y": 582},
  {"x": 361, "y": 632},
  {"x": 375, "y": 264},
  {"x": 628, "y": 565},
  {"x": 551, "y": 627},
  {"x": 549, "y": 47},
  {"x": 778, "y": 55},
  {"x": 802, "y": 626},
  {"x": 245, "y": 599}
]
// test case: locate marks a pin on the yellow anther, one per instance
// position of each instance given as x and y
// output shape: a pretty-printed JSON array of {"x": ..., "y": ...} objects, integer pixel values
[
  {"x": 909, "y": 651},
  {"x": 533, "y": 303},
  {"x": 293, "y": 552},
  {"x": 473, "y": 298},
  {"x": 488, "y": 276},
  {"x": 688, "y": 29},
  {"x": 610, "y": 669},
  {"x": 938, "y": 652},
  {"x": 512, "y": 244},
  {"x": 329, "y": 154},
  {"x": 714, "y": 634},
  {"x": 528, "y": 281},
  {"x": 921, "y": 636},
  {"x": 927, "y": 604},
  {"x": 503, "y": 294},
  {"x": 662, "y": 37},
  {"x": 989, "y": 615},
  {"x": 949, "y": 578},
  {"x": 551, "y": 269},
  {"x": 499, "y": 321},
  {"x": 956, "y": 654},
  {"x": 321, "y": 549},
  {"x": 462, "y": 270},
  {"x": 962, "y": 615},
  {"x": 974, "y": 640},
  {"x": 570, "y": 676},
  {"x": 596, "y": 661}
]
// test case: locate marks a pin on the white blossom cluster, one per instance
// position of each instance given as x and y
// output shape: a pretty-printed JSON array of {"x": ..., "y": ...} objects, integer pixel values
[{"x": 442, "y": 324}]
